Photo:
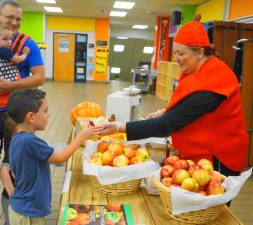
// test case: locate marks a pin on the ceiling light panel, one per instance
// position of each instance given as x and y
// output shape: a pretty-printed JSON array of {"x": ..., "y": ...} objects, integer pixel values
[
  {"x": 123, "y": 5},
  {"x": 53, "y": 9},
  {"x": 118, "y": 13},
  {"x": 46, "y": 1},
  {"x": 140, "y": 26}
]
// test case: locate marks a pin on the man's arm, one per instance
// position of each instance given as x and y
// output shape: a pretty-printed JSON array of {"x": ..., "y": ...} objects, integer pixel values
[{"x": 37, "y": 78}]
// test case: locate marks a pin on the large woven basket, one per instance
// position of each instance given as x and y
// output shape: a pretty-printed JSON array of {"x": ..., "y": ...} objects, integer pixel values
[
  {"x": 123, "y": 188},
  {"x": 195, "y": 217}
]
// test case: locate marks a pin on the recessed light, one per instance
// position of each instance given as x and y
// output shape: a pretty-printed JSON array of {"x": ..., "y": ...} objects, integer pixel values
[
  {"x": 123, "y": 5},
  {"x": 123, "y": 38},
  {"x": 119, "y": 48},
  {"x": 46, "y": 1},
  {"x": 148, "y": 50},
  {"x": 53, "y": 9},
  {"x": 140, "y": 26},
  {"x": 118, "y": 13}
]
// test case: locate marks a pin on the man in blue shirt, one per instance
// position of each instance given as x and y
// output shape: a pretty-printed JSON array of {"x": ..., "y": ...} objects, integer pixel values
[{"x": 32, "y": 72}]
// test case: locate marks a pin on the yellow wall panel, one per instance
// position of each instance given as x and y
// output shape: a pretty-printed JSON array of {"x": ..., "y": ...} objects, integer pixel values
[
  {"x": 70, "y": 23},
  {"x": 211, "y": 10}
]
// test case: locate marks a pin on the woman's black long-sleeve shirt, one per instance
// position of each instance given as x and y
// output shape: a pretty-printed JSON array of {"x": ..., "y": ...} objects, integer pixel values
[{"x": 186, "y": 111}]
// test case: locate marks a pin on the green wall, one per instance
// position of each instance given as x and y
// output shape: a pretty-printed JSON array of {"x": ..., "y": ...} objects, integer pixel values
[
  {"x": 188, "y": 12},
  {"x": 130, "y": 58},
  {"x": 33, "y": 25}
]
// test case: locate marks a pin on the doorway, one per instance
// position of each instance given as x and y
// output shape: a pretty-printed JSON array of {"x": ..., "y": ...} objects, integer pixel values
[{"x": 69, "y": 57}]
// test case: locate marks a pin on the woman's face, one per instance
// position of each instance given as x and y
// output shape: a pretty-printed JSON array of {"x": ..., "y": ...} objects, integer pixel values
[{"x": 188, "y": 59}]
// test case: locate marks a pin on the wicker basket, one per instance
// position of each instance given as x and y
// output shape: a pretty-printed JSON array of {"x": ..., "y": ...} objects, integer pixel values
[
  {"x": 195, "y": 217},
  {"x": 123, "y": 188}
]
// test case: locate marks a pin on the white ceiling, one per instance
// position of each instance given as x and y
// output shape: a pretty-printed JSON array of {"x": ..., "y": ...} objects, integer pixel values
[{"x": 144, "y": 11}]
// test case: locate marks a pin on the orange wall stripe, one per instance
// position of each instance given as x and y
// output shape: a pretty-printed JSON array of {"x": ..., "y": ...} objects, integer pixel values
[
  {"x": 101, "y": 52},
  {"x": 242, "y": 8}
]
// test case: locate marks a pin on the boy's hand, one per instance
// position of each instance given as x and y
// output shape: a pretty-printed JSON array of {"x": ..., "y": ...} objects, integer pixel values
[
  {"x": 90, "y": 132},
  {"x": 26, "y": 50}
]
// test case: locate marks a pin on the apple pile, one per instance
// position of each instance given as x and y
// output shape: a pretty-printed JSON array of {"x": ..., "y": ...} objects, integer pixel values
[
  {"x": 116, "y": 154},
  {"x": 195, "y": 177}
]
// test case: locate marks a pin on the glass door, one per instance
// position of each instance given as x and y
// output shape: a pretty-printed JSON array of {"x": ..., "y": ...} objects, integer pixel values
[{"x": 80, "y": 57}]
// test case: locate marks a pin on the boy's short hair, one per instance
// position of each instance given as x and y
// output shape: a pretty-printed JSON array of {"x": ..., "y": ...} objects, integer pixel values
[{"x": 24, "y": 101}]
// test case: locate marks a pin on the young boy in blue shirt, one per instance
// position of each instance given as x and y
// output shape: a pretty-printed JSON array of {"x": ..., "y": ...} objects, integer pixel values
[{"x": 30, "y": 157}]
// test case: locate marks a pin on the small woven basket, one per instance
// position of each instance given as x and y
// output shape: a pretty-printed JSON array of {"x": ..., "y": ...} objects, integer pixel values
[
  {"x": 195, "y": 217},
  {"x": 123, "y": 188}
]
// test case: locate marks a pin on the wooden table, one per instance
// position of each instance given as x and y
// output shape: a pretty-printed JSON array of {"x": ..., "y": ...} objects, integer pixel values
[{"x": 147, "y": 209}]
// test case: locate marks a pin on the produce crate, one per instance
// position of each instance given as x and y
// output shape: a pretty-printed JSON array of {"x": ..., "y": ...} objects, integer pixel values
[{"x": 195, "y": 217}]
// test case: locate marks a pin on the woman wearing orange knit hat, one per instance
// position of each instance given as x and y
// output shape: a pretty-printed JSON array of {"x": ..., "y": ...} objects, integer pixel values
[{"x": 204, "y": 115}]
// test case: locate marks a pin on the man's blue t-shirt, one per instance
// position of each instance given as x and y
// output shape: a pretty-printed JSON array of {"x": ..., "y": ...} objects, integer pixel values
[
  {"x": 33, "y": 59},
  {"x": 6, "y": 53},
  {"x": 29, "y": 162}
]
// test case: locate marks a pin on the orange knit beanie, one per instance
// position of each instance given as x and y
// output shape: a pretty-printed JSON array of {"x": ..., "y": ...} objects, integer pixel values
[{"x": 192, "y": 33}]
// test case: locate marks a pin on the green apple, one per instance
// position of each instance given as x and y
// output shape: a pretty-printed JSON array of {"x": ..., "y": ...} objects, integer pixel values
[{"x": 71, "y": 214}]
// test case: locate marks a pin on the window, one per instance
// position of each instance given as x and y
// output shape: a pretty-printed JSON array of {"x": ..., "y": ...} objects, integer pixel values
[
  {"x": 119, "y": 48},
  {"x": 148, "y": 50},
  {"x": 115, "y": 70}
]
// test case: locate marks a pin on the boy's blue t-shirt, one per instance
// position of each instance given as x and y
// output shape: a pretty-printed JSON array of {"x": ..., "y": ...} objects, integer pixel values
[
  {"x": 6, "y": 53},
  {"x": 28, "y": 157}
]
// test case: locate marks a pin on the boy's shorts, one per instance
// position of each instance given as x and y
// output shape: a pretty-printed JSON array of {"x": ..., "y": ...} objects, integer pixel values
[{"x": 18, "y": 219}]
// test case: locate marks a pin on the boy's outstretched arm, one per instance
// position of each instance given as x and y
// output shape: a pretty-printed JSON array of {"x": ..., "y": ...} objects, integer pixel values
[{"x": 86, "y": 133}]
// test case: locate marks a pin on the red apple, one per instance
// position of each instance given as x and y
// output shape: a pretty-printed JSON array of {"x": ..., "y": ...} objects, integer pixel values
[
  {"x": 120, "y": 161},
  {"x": 179, "y": 175},
  {"x": 193, "y": 168},
  {"x": 107, "y": 158},
  {"x": 215, "y": 188},
  {"x": 103, "y": 146},
  {"x": 191, "y": 163},
  {"x": 129, "y": 152},
  {"x": 205, "y": 164},
  {"x": 167, "y": 181},
  {"x": 135, "y": 160},
  {"x": 171, "y": 160},
  {"x": 116, "y": 148},
  {"x": 201, "y": 176},
  {"x": 181, "y": 164},
  {"x": 216, "y": 176},
  {"x": 167, "y": 171},
  {"x": 143, "y": 154},
  {"x": 190, "y": 184}
]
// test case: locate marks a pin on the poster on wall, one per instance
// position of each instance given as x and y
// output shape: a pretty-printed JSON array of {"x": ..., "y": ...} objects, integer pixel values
[
  {"x": 63, "y": 45},
  {"x": 101, "y": 60},
  {"x": 90, "y": 66}
]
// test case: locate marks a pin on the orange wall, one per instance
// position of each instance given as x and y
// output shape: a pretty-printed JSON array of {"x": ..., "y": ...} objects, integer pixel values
[
  {"x": 102, "y": 34},
  {"x": 240, "y": 8}
]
